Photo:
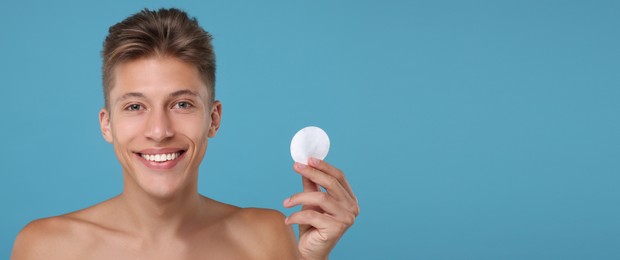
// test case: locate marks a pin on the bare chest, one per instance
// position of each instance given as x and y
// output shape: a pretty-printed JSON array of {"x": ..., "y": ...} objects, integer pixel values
[{"x": 214, "y": 246}]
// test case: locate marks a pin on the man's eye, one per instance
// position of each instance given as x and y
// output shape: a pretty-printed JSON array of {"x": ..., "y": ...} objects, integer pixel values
[
  {"x": 134, "y": 107},
  {"x": 183, "y": 105}
]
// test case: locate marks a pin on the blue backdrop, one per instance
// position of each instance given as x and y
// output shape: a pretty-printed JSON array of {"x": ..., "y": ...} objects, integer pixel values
[{"x": 468, "y": 129}]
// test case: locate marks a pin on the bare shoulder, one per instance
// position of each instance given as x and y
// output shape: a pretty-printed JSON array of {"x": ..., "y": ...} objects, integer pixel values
[
  {"x": 48, "y": 238},
  {"x": 60, "y": 237},
  {"x": 259, "y": 221},
  {"x": 264, "y": 233}
]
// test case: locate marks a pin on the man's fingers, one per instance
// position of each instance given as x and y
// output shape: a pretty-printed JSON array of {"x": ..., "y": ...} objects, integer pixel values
[
  {"x": 323, "y": 201},
  {"x": 308, "y": 185},
  {"x": 330, "y": 183},
  {"x": 328, "y": 227},
  {"x": 332, "y": 171}
]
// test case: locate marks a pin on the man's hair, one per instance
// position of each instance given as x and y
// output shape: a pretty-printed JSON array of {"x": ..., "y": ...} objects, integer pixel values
[{"x": 161, "y": 33}]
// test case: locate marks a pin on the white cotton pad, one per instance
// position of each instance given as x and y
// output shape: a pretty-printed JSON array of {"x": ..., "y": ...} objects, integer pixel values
[{"x": 309, "y": 142}]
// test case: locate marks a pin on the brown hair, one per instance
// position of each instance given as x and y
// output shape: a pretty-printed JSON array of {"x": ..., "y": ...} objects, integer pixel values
[{"x": 165, "y": 32}]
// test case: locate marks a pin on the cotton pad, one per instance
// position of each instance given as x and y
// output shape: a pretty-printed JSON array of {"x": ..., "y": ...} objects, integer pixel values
[{"x": 309, "y": 142}]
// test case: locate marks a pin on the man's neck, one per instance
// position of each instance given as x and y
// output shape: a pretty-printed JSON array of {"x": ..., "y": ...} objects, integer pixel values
[{"x": 159, "y": 218}]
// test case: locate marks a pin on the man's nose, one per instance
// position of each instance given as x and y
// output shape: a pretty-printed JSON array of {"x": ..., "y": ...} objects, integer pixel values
[{"x": 159, "y": 127}]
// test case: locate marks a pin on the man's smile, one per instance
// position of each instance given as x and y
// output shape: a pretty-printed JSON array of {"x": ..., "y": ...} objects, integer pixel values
[{"x": 160, "y": 159}]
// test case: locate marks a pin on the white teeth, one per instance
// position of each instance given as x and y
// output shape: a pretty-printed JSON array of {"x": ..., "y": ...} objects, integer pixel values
[{"x": 160, "y": 157}]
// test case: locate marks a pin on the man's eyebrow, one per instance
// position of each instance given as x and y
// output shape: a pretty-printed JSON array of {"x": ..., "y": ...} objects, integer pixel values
[
  {"x": 182, "y": 93},
  {"x": 171, "y": 95},
  {"x": 128, "y": 95}
]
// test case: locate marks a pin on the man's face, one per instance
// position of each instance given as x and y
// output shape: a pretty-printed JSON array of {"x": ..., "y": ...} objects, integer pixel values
[{"x": 159, "y": 121}]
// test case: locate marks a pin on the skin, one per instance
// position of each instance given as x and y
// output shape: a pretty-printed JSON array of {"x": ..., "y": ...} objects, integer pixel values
[{"x": 161, "y": 103}]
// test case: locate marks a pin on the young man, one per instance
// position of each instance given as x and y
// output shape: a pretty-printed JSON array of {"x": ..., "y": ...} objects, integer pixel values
[{"x": 160, "y": 111}]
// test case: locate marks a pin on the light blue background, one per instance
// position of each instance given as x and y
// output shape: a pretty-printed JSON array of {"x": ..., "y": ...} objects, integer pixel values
[{"x": 468, "y": 129}]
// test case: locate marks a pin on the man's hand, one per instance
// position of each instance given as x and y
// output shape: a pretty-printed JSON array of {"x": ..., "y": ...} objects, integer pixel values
[{"x": 324, "y": 216}]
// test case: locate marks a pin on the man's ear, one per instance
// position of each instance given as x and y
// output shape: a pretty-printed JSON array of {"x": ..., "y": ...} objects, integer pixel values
[
  {"x": 216, "y": 118},
  {"x": 104, "y": 122}
]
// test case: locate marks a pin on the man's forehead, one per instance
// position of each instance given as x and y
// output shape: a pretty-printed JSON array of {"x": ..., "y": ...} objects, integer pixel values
[{"x": 157, "y": 71}]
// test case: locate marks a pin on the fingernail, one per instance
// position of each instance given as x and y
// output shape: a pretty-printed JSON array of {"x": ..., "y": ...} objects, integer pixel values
[
  {"x": 286, "y": 220},
  {"x": 286, "y": 201},
  {"x": 301, "y": 166},
  {"x": 314, "y": 161}
]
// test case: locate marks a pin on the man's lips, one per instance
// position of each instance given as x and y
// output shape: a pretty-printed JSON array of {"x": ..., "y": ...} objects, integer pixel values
[{"x": 152, "y": 151}]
